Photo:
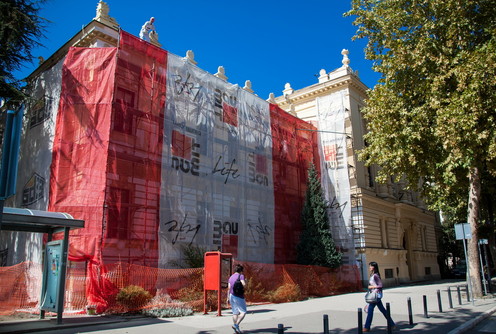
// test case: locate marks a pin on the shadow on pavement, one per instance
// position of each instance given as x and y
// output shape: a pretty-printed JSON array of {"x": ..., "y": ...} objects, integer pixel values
[{"x": 260, "y": 311}]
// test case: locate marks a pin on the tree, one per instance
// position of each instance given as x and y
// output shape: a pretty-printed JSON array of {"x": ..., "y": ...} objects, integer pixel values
[
  {"x": 431, "y": 116},
  {"x": 316, "y": 245},
  {"x": 20, "y": 29}
]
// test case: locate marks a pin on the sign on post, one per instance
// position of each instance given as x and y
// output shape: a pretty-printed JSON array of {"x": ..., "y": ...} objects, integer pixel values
[{"x": 463, "y": 231}]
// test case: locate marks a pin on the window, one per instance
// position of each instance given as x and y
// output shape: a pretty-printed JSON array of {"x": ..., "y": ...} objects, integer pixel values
[
  {"x": 118, "y": 213},
  {"x": 388, "y": 273},
  {"x": 384, "y": 233},
  {"x": 40, "y": 111},
  {"x": 370, "y": 177},
  {"x": 124, "y": 111}
]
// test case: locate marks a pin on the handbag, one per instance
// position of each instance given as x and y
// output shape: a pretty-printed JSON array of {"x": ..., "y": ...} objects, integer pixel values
[{"x": 371, "y": 296}]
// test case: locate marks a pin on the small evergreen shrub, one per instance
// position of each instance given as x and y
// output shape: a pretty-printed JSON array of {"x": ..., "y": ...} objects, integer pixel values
[
  {"x": 133, "y": 297},
  {"x": 316, "y": 245}
]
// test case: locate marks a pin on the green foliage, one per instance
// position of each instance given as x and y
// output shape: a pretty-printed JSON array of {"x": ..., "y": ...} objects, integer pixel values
[
  {"x": 432, "y": 115},
  {"x": 449, "y": 247},
  {"x": 193, "y": 257},
  {"x": 316, "y": 246},
  {"x": 20, "y": 27},
  {"x": 133, "y": 297}
]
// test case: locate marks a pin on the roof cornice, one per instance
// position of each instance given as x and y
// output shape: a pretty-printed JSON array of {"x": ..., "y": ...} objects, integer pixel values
[
  {"x": 322, "y": 88},
  {"x": 94, "y": 29}
]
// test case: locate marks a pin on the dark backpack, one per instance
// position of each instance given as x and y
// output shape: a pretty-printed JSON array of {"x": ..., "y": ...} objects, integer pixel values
[{"x": 238, "y": 288}]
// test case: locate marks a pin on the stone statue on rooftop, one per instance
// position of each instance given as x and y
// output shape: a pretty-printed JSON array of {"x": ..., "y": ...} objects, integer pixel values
[{"x": 346, "y": 60}]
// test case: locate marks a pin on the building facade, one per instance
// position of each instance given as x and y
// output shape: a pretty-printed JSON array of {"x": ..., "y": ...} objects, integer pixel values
[
  {"x": 156, "y": 154},
  {"x": 389, "y": 224}
]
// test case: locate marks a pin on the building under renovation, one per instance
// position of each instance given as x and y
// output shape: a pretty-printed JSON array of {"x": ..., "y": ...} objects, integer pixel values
[{"x": 157, "y": 155}]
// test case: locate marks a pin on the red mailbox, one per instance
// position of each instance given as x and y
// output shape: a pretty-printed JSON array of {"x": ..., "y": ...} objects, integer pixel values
[{"x": 218, "y": 269}]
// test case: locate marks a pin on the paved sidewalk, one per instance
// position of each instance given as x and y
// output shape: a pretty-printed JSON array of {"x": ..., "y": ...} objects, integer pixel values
[{"x": 299, "y": 317}]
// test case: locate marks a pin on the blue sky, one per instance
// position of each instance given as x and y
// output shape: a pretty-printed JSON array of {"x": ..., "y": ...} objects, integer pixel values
[{"x": 267, "y": 42}]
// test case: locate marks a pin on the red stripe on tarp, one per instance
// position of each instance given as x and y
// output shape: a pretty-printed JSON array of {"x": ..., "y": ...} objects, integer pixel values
[
  {"x": 77, "y": 172},
  {"x": 79, "y": 156},
  {"x": 293, "y": 149},
  {"x": 135, "y": 154}
]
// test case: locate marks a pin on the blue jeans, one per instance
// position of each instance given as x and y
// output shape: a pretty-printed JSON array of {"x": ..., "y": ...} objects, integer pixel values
[{"x": 370, "y": 314}]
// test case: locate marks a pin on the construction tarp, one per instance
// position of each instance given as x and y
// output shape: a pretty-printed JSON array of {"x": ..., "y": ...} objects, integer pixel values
[{"x": 157, "y": 155}]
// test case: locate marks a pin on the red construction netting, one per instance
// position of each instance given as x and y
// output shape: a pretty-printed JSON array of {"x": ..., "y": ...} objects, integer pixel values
[{"x": 20, "y": 286}]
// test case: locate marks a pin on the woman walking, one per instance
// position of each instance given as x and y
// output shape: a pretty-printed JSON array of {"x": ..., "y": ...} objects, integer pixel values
[
  {"x": 235, "y": 296},
  {"x": 375, "y": 283}
]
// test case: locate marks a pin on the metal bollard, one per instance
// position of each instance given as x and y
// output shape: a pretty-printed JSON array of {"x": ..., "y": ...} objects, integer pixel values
[
  {"x": 459, "y": 295},
  {"x": 360, "y": 321},
  {"x": 439, "y": 303},
  {"x": 388, "y": 312},
  {"x": 410, "y": 314},
  {"x": 425, "y": 307},
  {"x": 280, "y": 329},
  {"x": 450, "y": 300},
  {"x": 326, "y": 324},
  {"x": 468, "y": 294}
]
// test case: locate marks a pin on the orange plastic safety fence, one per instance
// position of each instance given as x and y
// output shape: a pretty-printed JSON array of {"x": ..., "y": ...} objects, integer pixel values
[{"x": 20, "y": 286}]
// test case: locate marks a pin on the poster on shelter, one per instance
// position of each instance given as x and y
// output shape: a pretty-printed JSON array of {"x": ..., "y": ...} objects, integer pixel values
[
  {"x": 53, "y": 260},
  {"x": 217, "y": 190}
]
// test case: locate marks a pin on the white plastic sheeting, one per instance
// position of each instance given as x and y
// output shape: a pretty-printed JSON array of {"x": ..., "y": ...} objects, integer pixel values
[{"x": 217, "y": 168}]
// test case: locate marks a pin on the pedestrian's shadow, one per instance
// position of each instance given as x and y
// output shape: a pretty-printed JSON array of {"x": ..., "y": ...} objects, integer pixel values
[{"x": 261, "y": 311}]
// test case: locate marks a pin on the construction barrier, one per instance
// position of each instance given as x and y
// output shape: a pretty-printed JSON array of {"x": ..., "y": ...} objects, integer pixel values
[{"x": 134, "y": 288}]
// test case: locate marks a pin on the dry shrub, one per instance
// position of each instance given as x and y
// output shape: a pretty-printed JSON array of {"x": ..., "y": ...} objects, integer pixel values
[
  {"x": 194, "y": 299},
  {"x": 192, "y": 295},
  {"x": 133, "y": 297},
  {"x": 286, "y": 293},
  {"x": 255, "y": 291}
]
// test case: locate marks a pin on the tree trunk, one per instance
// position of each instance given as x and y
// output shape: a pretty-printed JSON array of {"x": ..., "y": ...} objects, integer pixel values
[{"x": 473, "y": 264}]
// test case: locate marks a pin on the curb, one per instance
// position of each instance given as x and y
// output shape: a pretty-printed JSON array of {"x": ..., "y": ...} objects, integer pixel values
[
  {"x": 48, "y": 325},
  {"x": 472, "y": 323}
]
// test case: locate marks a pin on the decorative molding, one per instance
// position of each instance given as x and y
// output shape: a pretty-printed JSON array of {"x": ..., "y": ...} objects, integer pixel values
[
  {"x": 94, "y": 34},
  {"x": 309, "y": 93}
]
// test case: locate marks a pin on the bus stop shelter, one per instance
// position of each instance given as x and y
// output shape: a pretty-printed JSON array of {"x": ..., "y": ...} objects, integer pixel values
[{"x": 27, "y": 220}]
